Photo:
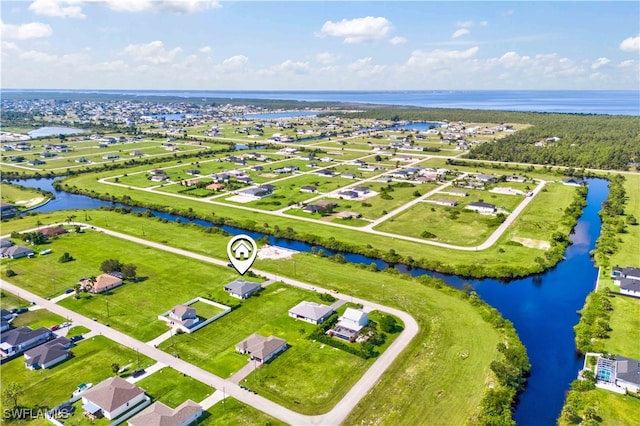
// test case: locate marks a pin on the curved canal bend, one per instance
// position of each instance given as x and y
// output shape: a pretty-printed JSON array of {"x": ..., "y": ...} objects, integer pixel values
[{"x": 542, "y": 307}]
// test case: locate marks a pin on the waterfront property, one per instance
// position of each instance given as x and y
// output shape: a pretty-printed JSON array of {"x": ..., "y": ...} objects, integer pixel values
[
  {"x": 628, "y": 279},
  {"x": 350, "y": 324},
  {"x": 619, "y": 374}
]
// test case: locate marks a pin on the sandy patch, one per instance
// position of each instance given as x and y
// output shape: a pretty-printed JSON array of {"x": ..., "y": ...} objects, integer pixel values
[
  {"x": 275, "y": 252},
  {"x": 531, "y": 243},
  {"x": 268, "y": 175},
  {"x": 30, "y": 203},
  {"x": 241, "y": 199}
]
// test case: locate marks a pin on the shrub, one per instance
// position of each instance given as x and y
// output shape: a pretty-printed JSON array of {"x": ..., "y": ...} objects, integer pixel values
[{"x": 10, "y": 273}]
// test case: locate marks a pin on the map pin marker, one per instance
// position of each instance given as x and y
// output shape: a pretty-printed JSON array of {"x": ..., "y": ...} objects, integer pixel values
[{"x": 242, "y": 251}]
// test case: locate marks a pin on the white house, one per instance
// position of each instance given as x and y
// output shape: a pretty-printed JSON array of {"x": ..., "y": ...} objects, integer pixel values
[
  {"x": 242, "y": 289},
  {"x": 261, "y": 349},
  {"x": 484, "y": 208},
  {"x": 350, "y": 324},
  {"x": 112, "y": 398},
  {"x": 183, "y": 315},
  {"x": 312, "y": 312}
]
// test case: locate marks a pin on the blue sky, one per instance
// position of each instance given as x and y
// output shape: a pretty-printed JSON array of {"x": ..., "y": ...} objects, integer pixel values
[{"x": 329, "y": 45}]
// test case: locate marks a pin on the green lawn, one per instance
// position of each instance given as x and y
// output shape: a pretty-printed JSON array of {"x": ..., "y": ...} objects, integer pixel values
[
  {"x": 233, "y": 412},
  {"x": 10, "y": 301},
  {"x": 173, "y": 388},
  {"x": 38, "y": 318},
  {"x": 22, "y": 197},
  {"x": 468, "y": 229},
  {"x": 91, "y": 363},
  {"x": 617, "y": 410}
]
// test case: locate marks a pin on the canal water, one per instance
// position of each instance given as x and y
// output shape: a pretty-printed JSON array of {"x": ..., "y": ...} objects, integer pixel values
[{"x": 542, "y": 307}]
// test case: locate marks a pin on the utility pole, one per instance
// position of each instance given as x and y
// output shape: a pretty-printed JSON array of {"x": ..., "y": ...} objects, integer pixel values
[
  {"x": 138, "y": 353},
  {"x": 382, "y": 291},
  {"x": 107, "y": 300}
]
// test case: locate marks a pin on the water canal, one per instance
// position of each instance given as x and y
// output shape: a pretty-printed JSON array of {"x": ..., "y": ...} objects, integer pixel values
[{"x": 542, "y": 307}]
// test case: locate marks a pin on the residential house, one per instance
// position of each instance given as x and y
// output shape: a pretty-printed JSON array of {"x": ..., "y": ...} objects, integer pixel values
[
  {"x": 321, "y": 207},
  {"x": 261, "y": 349},
  {"x": 444, "y": 202},
  {"x": 456, "y": 192},
  {"x": 351, "y": 195},
  {"x": 324, "y": 173},
  {"x": 242, "y": 289},
  {"x": 350, "y": 324},
  {"x": 110, "y": 157},
  {"x": 48, "y": 354},
  {"x": 104, "y": 282},
  {"x": 5, "y": 319},
  {"x": 484, "y": 208},
  {"x": 112, "y": 398},
  {"x": 22, "y": 338},
  {"x": 52, "y": 232},
  {"x": 36, "y": 162},
  {"x": 158, "y": 414},
  {"x": 348, "y": 175},
  {"x": 183, "y": 315},
  {"x": 257, "y": 193},
  {"x": 5, "y": 243},
  {"x": 572, "y": 181},
  {"x": 486, "y": 178},
  {"x": 16, "y": 252},
  {"x": 348, "y": 215},
  {"x": 312, "y": 312},
  {"x": 7, "y": 211},
  {"x": 215, "y": 186},
  {"x": 308, "y": 188},
  {"x": 361, "y": 190},
  {"x": 515, "y": 178},
  {"x": 628, "y": 279},
  {"x": 620, "y": 372},
  {"x": 193, "y": 172}
]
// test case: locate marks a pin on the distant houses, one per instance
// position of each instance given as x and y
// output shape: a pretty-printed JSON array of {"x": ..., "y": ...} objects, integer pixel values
[
  {"x": 21, "y": 339},
  {"x": 16, "y": 252},
  {"x": 572, "y": 181},
  {"x": 7, "y": 211}
]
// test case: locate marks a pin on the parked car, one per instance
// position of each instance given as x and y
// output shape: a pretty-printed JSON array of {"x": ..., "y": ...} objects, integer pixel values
[
  {"x": 137, "y": 373},
  {"x": 19, "y": 310},
  {"x": 55, "y": 327},
  {"x": 69, "y": 290},
  {"x": 76, "y": 338}
]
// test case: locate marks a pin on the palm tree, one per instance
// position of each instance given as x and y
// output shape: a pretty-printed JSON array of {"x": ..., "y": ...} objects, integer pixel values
[{"x": 91, "y": 282}]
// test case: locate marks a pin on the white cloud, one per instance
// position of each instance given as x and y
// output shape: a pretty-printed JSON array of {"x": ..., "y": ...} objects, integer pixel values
[
  {"x": 326, "y": 57},
  {"x": 232, "y": 64},
  {"x": 398, "y": 40},
  {"x": 627, "y": 64},
  {"x": 358, "y": 30},
  {"x": 9, "y": 46},
  {"x": 484, "y": 23},
  {"x": 460, "y": 33},
  {"x": 205, "y": 49},
  {"x": 631, "y": 44},
  {"x": 435, "y": 57},
  {"x": 153, "y": 52},
  {"x": 600, "y": 62},
  {"x": 36, "y": 56},
  {"x": 58, "y": 8},
  {"x": 179, "y": 7},
  {"x": 363, "y": 67},
  {"x": 293, "y": 67},
  {"x": 25, "y": 31},
  {"x": 464, "y": 24},
  {"x": 513, "y": 60}
]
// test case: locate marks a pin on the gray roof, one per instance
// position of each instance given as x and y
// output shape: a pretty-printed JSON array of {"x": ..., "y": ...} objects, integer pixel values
[
  {"x": 5, "y": 243},
  {"x": 112, "y": 393},
  {"x": 480, "y": 204},
  {"x": 16, "y": 250},
  {"x": 311, "y": 310},
  {"x": 159, "y": 414},
  {"x": 629, "y": 284},
  {"x": 19, "y": 335},
  {"x": 47, "y": 352},
  {"x": 628, "y": 271},
  {"x": 628, "y": 369},
  {"x": 241, "y": 287}
]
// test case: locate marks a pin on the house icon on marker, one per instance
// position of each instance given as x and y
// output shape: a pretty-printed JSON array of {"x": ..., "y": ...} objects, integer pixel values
[{"x": 241, "y": 250}]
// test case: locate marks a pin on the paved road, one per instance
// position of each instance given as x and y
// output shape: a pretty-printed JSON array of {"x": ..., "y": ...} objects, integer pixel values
[{"x": 334, "y": 417}]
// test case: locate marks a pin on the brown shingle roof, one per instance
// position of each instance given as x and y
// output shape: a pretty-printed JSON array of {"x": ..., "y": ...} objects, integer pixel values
[
  {"x": 112, "y": 393},
  {"x": 159, "y": 414}
]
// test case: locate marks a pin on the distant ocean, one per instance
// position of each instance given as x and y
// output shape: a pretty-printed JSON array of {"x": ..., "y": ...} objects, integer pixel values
[{"x": 614, "y": 102}]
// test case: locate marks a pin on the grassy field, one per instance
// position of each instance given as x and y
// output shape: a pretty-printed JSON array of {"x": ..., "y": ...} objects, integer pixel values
[
  {"x": 91, "y": 363},
  {"x": 38, "y": 318},
  {"x": 617, "y": 410},
  {"x": 10, "y": 301},
  {"x": 172, "y": 388},
  {"x": 21, "y": 197},
  {"x": 233, "y": 412}
]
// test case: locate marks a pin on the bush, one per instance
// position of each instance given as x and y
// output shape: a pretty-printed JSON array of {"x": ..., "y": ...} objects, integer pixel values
[
  {"x": 66, "y": 257},
  {"x": 10, "y": 273}
]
